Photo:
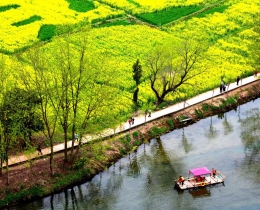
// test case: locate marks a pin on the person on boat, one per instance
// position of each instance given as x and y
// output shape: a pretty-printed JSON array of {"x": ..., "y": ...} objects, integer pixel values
[
  {"x": 214, "y": 172},
  {"x": 181, "y": 180},
  {"x": 198, "y": 179}
]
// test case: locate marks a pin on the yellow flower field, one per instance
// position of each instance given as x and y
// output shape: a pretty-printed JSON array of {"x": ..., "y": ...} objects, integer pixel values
[
  {"x": 229, "y": 33},
  {"x": 52, "y": 12}
]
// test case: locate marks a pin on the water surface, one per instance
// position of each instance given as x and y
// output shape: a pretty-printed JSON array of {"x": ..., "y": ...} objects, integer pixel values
[{"x": 145, "y": 179}]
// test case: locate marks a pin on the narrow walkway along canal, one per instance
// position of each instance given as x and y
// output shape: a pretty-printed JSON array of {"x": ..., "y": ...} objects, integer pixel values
[{"x": 145, "y": 179}]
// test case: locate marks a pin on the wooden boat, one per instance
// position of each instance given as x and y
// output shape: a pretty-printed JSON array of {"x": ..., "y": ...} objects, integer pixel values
[{"x": 201, "y": 177}]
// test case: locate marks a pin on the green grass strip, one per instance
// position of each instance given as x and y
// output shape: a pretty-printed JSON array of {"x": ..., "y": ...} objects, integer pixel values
[
  {"x": 27, "y": 21},
  {"x": 81, "y": 6},
  {"x": 219, "y": 9},
  {"x": 166, "y": 16},
  {"x": 8, "y": 7}
]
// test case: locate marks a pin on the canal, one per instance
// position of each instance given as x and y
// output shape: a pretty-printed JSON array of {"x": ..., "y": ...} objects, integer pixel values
[{"x": 145, "y": 179}]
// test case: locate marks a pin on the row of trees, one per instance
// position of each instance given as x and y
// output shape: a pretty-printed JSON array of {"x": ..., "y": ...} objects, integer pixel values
[
  {"x": 64, "y": 91},
  {"x": 67, "y": 89}
]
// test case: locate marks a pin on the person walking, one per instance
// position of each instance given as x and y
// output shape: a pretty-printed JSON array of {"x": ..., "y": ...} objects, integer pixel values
[
  {"x": 255, "y": 73},
  {"x": 76, "y": 136},
  {"x": 224, "y": 87},
  {"x": 149, "y": 113},
  {"x": 220, "y": 88},
  {"x": 133, "y": 120},
  {"x": 238, "y": 79},
  {"x": 39, "y": 149},
  {"x": 130, "y": 121}
]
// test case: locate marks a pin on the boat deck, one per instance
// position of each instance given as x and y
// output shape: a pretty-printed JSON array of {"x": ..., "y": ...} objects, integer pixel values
[{"x": 192, "y": 183}]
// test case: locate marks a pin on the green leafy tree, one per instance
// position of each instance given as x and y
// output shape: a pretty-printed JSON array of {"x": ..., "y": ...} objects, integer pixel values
[
  {"x": 43, "y": 82},
  {"x": 18, "y": 118},
  {"x": 174, "y": 65},
  {"x": 137, "y": 74},
  {"x": 255, "y": 46}
]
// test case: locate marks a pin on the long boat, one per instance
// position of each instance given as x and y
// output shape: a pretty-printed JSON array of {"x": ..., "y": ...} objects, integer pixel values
[{"x": 199, "y": 177}]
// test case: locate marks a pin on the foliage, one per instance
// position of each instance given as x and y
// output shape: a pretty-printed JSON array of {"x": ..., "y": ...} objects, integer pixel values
[
  {"x": 231, "y": 100},
  {"x": 155, "y": 131},
  {"x": 8, "y": 7},
  {"x": 46, "y": 32},
  {"x": 33, "y": 192},
  {"x": 205, "y": 107},
  {"x": 199, "y": 113},
  {"x": 169, "y": 15},
  {"x": 137, "y": 74},
  {"x": 137, "y": 142},
  {"x": 74, "y": 177},
  {"x": 81, "y": 6},
  {"x": 182, "y": 117},
  {"x": 162, "y": 105},
  {"x": 173, "y": 66},
  {"x": 214, "y": 108},
  {"x": 135, "y": 134},
  {"x": 27, "y": 21},
  {"x": 19, "y": 110},
  {"x": 170, "y": 123}
]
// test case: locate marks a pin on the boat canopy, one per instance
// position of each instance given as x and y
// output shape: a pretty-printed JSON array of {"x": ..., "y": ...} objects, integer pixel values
[{"x": 199, "y": 171}]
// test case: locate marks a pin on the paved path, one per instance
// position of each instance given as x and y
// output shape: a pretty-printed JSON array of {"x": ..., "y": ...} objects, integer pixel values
[{"x": 138, "y": 120}]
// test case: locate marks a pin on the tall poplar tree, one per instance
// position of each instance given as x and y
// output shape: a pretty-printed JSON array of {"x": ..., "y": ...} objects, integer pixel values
[{"x": 137, "y": 74}]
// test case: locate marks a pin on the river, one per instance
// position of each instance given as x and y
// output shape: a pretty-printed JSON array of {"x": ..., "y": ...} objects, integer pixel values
[{"x": 145, "y": 179}]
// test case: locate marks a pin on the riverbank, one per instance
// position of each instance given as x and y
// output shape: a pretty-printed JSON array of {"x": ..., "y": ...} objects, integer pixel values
[{"x": 32, "y": 179}]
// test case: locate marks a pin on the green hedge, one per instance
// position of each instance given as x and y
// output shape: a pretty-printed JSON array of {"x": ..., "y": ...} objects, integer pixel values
[
  {"x": 27, "y": 21},
  {"x": 8, "y": 7}
]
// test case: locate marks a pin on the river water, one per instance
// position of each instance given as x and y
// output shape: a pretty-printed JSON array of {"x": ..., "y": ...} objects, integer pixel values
[{"x": 145, "y": 179}]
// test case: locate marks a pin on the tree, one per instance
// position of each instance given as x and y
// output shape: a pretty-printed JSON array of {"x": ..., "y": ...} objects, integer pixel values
[
  {"x": 20, "y": 107},
  {"x": 74, "y": 84},
  {"x": 137, "y": 74},
  {"x": 18, "y": 117},
  {"x": 42, "y": 81},
  {"x": 171, "y": 67},
  {"x": 255, "y": 46}
]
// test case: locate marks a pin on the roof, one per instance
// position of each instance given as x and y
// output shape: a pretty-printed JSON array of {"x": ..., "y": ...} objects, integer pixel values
[{"x": 199, "y": 171}]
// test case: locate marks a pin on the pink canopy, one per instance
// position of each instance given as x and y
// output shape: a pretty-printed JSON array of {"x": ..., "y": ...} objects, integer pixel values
[{"x": 199, "y": 171}]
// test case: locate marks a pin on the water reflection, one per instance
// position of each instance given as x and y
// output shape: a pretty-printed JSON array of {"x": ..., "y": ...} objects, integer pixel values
[
  {"x": 250, "y": 132},
  {"x": 185, "y": 143},
  {"x": 134, "y": 167},
  {"x": 202, "y": 192},
  {"x": 228, "y": 128},
  {"x": 212, "y": 132}
]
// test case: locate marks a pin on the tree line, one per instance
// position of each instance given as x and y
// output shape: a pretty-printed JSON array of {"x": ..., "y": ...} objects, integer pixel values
[{"x": 65, "y": 90}]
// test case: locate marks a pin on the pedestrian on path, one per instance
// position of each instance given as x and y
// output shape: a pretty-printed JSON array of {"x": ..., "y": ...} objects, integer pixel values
[
  {"x": 149, "y": 113},
  {"x": 39, "y": 149},
  {"x": 133, "y": 120},
  {"x": 76, "y": 136},
  {"x": 4, "y": 157},
  {"x": 238, "y": 79},
  {"x": 224, "y": 87},
  {"x": 130, "y": 121},
  {"x": 255, "y": 73},
  {"x": 220, "y": 88}
]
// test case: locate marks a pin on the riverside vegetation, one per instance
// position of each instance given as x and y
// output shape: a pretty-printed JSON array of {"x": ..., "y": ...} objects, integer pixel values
[{"x": 31, "y": 181}]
